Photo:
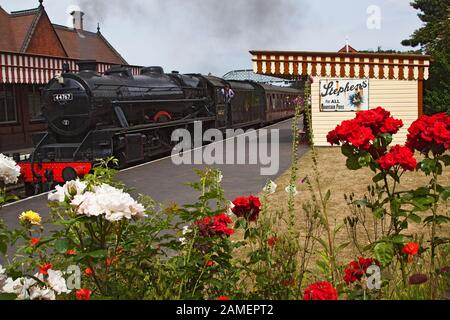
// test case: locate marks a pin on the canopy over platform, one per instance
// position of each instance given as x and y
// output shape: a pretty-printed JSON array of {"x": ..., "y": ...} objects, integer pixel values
[{"x": 341, "y": 65}]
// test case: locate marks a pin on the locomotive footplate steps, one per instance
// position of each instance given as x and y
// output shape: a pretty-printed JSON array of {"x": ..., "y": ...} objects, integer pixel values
[{"x": 165, "y": 182}]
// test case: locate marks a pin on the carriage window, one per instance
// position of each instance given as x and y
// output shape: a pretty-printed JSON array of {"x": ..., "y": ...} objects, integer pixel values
[
  {"x": 34, "y": 103},
  {"x": 8, "y": 112}
]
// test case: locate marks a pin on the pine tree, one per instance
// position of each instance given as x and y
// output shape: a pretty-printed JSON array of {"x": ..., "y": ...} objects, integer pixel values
[{"x": 434, "y": 39}]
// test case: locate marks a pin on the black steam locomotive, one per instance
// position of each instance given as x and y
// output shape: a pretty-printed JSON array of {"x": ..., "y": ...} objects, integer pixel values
[{"x": 92, "y": 116}]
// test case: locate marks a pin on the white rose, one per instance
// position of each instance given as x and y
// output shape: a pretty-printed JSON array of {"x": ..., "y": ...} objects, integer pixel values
[
  {"x": 9, "y": 170},
  {"x": 38, "y": 293},
  {"x": 19, "y": 287},
  {"x": 57, "y": 282},
  {"x": 112, "y": 202},
  {"x": 69, "y": 189}
]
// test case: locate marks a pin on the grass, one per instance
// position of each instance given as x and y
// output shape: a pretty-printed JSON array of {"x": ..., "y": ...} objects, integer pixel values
[{"x": 339, "y": 180}]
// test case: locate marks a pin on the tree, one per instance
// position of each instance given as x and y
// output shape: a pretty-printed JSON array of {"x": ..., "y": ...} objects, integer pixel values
[{"x": 434, "y": 39}]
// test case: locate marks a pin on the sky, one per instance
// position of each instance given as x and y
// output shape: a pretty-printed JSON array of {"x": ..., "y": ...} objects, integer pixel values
[{"x": 216, "y": 35}]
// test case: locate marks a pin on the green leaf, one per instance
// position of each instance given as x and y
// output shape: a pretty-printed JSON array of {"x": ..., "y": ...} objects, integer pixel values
[
  {"x": 400, "y": 239},
  {"x": 327, "y": 196},
  {"x": 364, "y": 160},
  {"x": 62, "y": 245},
  {"x": 379, "y": 177},
  {"x": 353, "y": 163},
  {"x": 427, "y": 165},
  {"x": 420, "y": 192},
  {"x": 98, "y": 254},
  {"x": 439, "y": 219},
  {"x": 322, "y": 242},
  {"x": 378, "y": 213},
  {"x": 342, "y": 246},
  {"x": 387, "y": 137},
  {"x": 445, "y": 194},
  {"x": 384, "y": 252},
  {"x": 348, "y": 150},
  {"x": 3, "y": 247},
  {"x": 414, "y": 217},
  {"x": 446, "y": 160},
  {"x": 395, "y": 207}
]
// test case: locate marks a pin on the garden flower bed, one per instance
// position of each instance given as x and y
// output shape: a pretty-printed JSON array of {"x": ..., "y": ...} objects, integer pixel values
[{"x": 369, "y": 223}]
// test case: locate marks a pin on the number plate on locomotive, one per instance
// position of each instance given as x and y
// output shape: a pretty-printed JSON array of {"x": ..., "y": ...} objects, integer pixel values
[{"x": 62, "y": 98}]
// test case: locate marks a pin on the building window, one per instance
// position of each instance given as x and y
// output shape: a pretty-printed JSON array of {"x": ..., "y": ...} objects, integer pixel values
[
  {"x": 34, "y": 103},
  {"x": 8, "y": 113}
]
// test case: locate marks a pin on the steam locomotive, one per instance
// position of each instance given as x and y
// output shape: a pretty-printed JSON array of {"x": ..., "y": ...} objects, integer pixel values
[{"x": 92, "y": 116}]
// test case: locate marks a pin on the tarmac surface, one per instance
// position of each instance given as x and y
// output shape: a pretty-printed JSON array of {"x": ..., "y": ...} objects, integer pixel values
[{"x": 165, "y": 181}]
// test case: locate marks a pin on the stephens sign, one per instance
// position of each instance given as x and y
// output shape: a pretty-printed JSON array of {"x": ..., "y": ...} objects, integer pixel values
[{"x": 344, "y": 95}]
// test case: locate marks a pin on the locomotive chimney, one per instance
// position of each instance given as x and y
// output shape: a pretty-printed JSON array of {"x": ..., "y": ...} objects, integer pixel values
[{"x": 77, "y": 19}]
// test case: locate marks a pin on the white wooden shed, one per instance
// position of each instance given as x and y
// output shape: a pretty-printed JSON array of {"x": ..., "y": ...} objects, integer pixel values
[{"x": 347, "y": 81}]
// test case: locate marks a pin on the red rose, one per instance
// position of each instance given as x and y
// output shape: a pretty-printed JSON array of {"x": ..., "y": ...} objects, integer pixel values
[
  {"x": 210, "y": 263},
  {"x": 355, "y": 270},
  {"x": 71, "y": 252},
  {"x": 373, "y": 118},
  {"x": 351, "y": 131},
  {"x": 218, "y": 225},
  {"x": 430, "y": 133},
  {"x": 391, "y": 125},
  {"x": 320, "y": 291},
  {"x": 83, "y": 294},
  {"x": 223, "y": 298},
  {"x": 43, "y": 269},
  {"x": 247, "y": 208},
  {"x": 411, "y": 248},
  {"x": 398, "y": 155},
  {"x": 35, "y": 241},
  {"x": 362, "y": 130}
]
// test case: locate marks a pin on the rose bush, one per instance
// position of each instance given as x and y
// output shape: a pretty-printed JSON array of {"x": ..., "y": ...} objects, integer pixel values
[
  {"x": 365, "y": 141},
  {"x": 131, "y": 248}
]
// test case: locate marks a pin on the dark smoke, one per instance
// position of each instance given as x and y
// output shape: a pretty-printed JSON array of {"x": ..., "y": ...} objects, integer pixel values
[
  {"x": 99, "y": 11},
  {"x": 207, "y": 33}
]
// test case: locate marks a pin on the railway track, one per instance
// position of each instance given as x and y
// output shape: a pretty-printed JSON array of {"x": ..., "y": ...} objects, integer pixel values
[{"x": 19, "y": 189}]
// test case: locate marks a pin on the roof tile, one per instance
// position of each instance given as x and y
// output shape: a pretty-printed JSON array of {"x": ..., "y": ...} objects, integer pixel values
[{"x": 79, "y": 44}]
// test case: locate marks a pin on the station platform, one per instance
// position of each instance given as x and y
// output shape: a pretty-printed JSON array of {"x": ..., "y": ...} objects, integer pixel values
[{"x": 165, "y": 182}]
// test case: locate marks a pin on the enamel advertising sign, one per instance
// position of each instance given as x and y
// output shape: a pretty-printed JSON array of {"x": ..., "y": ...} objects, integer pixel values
[{"x": 344, "y": 95}]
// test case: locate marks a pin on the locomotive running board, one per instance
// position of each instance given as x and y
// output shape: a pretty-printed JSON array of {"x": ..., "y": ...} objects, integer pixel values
[{"x": 160, "y": 125}]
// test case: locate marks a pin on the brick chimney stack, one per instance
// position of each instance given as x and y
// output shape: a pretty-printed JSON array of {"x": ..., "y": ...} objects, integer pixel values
[{"x": 77, "y": 19}]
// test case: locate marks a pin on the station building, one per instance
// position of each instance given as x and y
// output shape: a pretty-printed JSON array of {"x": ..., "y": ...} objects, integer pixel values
[
  {"x": 348, "y": 81},
  {"x": 32, "y": 52}
]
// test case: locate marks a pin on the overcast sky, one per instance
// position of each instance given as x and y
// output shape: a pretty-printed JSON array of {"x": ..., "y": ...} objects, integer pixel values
[{"x": 216, "y": 35}]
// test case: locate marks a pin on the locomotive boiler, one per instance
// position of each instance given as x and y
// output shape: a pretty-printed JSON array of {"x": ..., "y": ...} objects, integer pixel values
[{"x": 92, "y": 116}]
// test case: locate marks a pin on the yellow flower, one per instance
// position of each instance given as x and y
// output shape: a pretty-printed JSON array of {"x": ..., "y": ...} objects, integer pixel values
[{"x": 31, "y": 217}]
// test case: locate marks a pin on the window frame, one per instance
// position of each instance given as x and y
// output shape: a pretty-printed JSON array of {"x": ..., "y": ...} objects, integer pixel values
[
  {"x": 4, "y": 88},
  {"x": 36, "y": 89}
]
